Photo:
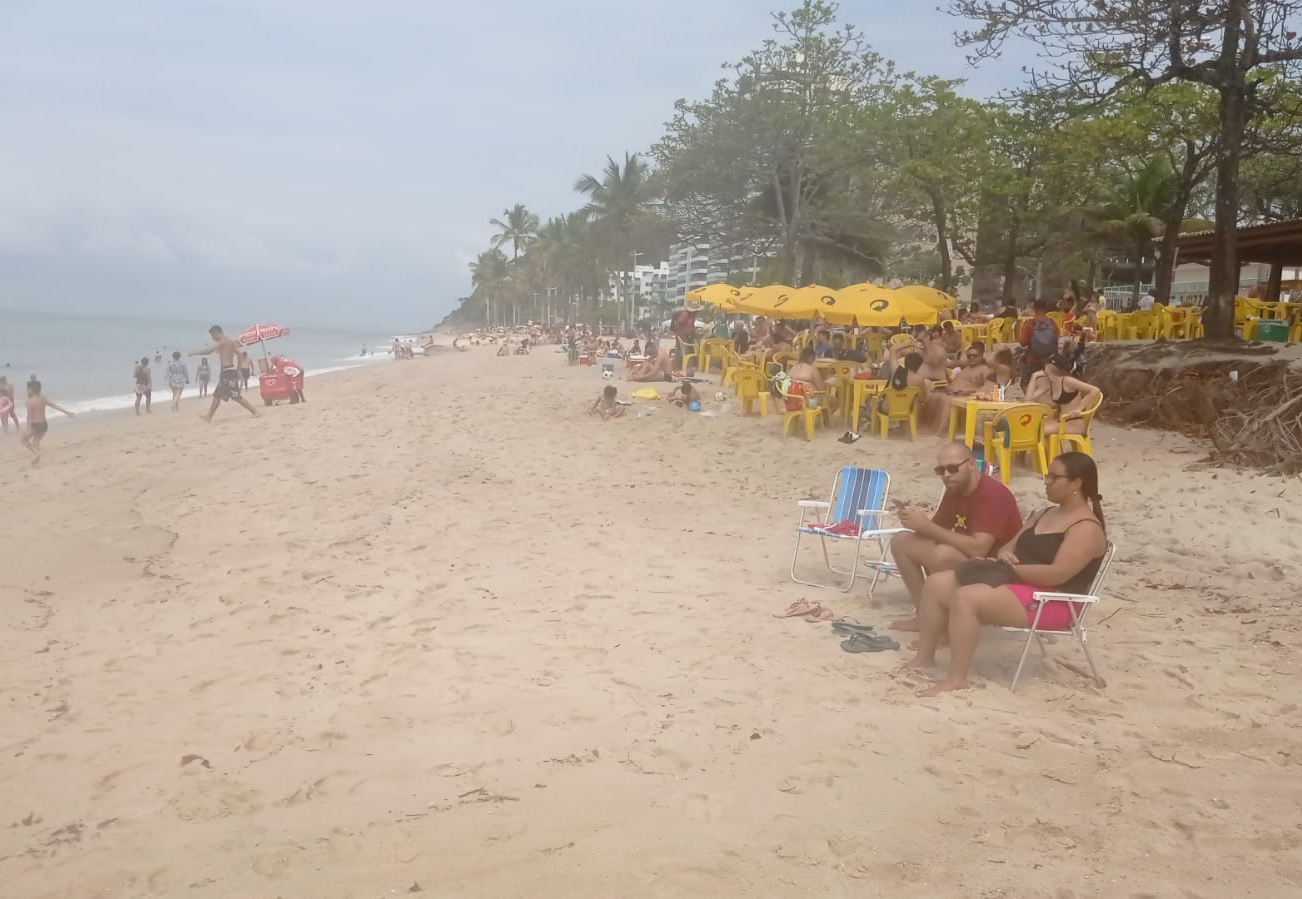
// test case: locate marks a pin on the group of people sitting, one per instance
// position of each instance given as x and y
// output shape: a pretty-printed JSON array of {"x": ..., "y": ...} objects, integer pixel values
[
  {"x": 976, "y": 562},
  {"x": 935, "y": 357}
]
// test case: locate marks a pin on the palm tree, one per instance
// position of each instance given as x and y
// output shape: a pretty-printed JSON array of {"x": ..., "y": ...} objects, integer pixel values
[
  {"x": 617, "y": 202},
  {"x": 519, "y": 228},
  {"x": 1134, "y": 207},
  {"x": 490, "y": 274}
]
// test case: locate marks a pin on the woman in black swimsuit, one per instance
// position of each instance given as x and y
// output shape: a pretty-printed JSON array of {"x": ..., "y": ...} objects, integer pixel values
[
  {"x": 1055, "y": 387},
  {"x": 1058, "y": 550}
]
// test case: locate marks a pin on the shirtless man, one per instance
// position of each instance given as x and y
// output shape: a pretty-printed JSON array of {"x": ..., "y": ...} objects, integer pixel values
[
  {"x": 971, "y": 378},
  {"x": 657, "y": 366},
  {"x": 228, "y": 381},
  {"x": 36, "y": 423},
  {"x": 7, "y": 392}
]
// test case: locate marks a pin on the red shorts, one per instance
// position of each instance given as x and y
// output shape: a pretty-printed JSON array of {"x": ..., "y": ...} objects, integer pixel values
[{"x": 1056, "y": 615}]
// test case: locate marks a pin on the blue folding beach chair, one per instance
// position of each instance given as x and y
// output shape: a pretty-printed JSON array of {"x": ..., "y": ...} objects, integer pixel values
[{"x": 858, "y": 499}]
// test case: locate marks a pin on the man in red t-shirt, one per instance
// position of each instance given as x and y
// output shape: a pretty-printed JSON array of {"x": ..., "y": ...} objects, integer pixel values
[{"x": 977, "y": 516}]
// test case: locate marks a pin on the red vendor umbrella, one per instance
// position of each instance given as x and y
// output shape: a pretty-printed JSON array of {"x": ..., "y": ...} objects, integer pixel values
[{"x": 260, "y": 332}]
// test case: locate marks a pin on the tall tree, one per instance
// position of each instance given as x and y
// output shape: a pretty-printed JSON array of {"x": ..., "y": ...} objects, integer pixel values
[
  {"x": 1097, "y": 47},
  {"x": 1135, "y": 209},
  {"x": 518, "y": 228},
  {"x": 938, "y": 136},
  {"x": 780, "y": 146},
  {"x": 618, "y": 202},
  {"x": 491, "y": 276}
]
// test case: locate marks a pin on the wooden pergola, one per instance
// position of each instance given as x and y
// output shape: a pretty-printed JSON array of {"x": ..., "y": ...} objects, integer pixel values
[{"x": 1278, "y": 244}]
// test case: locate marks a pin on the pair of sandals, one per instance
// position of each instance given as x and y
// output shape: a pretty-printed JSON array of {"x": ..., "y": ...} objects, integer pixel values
[
  {"x": 860, "y": 637},
  {"x": 813, "y": 612}
]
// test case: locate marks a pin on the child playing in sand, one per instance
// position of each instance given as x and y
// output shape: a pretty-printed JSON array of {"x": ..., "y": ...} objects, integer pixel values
[
  {"x": 685, "y": 394},
  {"x": 607, "y": 405},
  {"x": 36, "y": 423}
]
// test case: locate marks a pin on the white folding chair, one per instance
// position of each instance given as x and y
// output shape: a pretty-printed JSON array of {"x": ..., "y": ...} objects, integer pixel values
[
  {"x": 1079, "y": 605},
  {"x": 858, "y": 496}
]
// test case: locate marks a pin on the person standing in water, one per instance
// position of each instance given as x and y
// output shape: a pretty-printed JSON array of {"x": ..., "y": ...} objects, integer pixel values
[
  {"x": 177, "y": 378},
  {"x": 37, "y": 426},
  {"x": 228, "y": 380},
  {"x": 144, "y": 385},
  {"x": 204, "y": 375}
]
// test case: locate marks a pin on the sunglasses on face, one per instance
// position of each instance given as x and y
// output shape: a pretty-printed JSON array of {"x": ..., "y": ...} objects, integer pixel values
[{"x": 952, "y": 468}]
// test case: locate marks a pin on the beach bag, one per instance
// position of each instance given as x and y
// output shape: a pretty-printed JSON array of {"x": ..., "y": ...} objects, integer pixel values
[
  {"x": 1044, "y": 338},
  {"x": 991, "y": 572},
  {"x": 795, "y": 389}
]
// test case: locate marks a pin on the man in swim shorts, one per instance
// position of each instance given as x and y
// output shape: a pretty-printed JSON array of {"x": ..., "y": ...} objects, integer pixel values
[{"x": 228, "y": 380}]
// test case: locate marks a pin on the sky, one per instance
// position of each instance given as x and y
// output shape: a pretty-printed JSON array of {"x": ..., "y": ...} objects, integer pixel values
[{"x": 335, "y": 163}]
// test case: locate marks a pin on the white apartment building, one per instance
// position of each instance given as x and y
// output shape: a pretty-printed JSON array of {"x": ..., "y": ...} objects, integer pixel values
[
  {"x": 648, "y": 283},
  {"x": 693, "y": 266}
]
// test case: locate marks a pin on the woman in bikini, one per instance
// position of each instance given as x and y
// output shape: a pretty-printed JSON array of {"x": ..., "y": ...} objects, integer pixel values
[
  {"x": 1059, "y": 550},
  {"x": 1069, "y": 396}
]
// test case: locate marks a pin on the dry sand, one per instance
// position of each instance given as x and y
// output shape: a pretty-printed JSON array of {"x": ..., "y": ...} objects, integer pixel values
[{"x": 438, "y": 631}]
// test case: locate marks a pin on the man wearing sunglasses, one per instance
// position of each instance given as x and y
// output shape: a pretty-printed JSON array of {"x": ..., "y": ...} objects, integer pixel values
[
  {"x": 971, "y": 378},
  {"x": 977, "y": 515}
]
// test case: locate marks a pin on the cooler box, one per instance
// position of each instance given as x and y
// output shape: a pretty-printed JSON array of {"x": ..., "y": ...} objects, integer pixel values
[{"x": 1272, "y": 331}]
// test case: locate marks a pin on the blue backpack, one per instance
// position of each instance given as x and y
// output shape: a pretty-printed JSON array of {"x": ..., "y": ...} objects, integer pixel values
[{"x": 1044, "y": 338}]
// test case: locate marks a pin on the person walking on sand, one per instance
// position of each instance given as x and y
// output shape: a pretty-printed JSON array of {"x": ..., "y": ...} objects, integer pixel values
[
  {"x": 144, "y": 385},
  {"x": 37, "y": 426},
  {"x": 8, "y": 405},
  {"x": 177, "y": 378},
  {"x": 204, "y": 375},
  {"x": 228, "y": 379}
]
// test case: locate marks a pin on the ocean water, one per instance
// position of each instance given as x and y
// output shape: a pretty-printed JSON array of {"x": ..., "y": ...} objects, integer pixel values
[{"x": 85, "y": 362}]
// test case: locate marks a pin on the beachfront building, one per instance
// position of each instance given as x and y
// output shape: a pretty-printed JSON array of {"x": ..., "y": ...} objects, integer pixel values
[
  {"x": 695, "y": 265},
  {"x": 648, "y": 284}
]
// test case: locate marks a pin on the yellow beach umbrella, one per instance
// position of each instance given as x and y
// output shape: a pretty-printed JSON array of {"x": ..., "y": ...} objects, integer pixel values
[
  {"x": 781, "y": 301},
  {"x": 762, "y": 300},
  {"x": 936, "y": 299},
  {"x": 717, "y": 294},
  {"x": 879, "y": 307}
]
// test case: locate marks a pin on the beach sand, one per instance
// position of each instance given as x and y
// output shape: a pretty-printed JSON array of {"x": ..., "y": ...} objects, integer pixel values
[{"x": 438, "y": 631}]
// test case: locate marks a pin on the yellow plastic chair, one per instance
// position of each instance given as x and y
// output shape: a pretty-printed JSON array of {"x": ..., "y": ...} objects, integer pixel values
[
  {"x": 1109, "y": 325},
  {"x": 810, "y": 414},
  {"x": 1142, "y": 326},
  {"x": 901, "y": 405},
  {"x": 732, "y": 362},
  {"x": 1193, "y": 325},
  {"x": 1059, "y": 319},
  {"x": 714, "y": 349},
  {"x": 1020, "y": 430},
  {"x": 1002, "y": 330},
  {"x": 1080, "y": 441},
  {"x": 752, "y": 387},
  {"x": 691, "y": 351},
  {"x": 1294, "y": 334},
  {"x": 1166, "y": 324}
]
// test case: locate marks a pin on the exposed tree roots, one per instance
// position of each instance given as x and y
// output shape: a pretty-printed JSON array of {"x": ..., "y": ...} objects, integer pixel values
[{"x": 1254, "y": 421}]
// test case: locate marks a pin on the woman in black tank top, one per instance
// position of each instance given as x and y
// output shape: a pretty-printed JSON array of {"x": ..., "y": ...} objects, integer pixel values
[{"x": 1059, "y": 550}]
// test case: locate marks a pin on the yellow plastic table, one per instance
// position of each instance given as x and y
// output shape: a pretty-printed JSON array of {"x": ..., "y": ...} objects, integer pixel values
[{"x": 971, "y": 409}]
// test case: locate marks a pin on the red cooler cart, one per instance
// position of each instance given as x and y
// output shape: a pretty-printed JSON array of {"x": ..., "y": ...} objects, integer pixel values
[{"x": 279, "y": 378}]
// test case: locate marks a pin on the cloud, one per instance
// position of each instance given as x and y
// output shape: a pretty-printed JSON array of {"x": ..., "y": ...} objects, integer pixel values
[{"x": 303, "y": 155}]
